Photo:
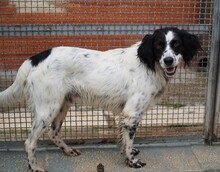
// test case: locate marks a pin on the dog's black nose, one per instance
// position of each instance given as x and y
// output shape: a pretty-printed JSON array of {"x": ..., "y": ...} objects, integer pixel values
[{"x": 168, "y": 61}]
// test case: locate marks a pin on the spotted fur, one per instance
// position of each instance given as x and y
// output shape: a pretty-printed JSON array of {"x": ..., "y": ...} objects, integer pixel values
[{"x": 124, "y": 80}]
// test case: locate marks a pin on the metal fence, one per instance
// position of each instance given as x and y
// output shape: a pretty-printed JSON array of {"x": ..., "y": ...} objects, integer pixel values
[{"x": 30, "y": 26}]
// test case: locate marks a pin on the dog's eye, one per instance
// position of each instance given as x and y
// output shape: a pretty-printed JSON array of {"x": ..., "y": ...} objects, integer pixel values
[
  {"x": 158, "y": 46},
  {"x": 176, "y": 44}
]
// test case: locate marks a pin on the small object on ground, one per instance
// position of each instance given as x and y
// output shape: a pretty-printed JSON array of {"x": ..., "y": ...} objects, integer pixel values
[{"x": 100, "y": 168}]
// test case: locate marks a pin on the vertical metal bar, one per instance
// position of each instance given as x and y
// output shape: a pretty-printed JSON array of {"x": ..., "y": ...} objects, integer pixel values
[
  {"x": 212, "y": 79},
  {"x": 217, "y": 107}
]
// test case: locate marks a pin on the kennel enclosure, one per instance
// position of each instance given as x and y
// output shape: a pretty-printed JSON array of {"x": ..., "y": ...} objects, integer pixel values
[{"x": 188, "y": 110}]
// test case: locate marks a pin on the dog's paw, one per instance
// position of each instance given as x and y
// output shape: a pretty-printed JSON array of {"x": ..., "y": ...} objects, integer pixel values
[
  {"x": 135, "y": 163},
  {"x": 42, "y": 170},
  {"x": 71, "y": 152},
  {"x": 135, "y": 151},
  {"x": 36, "y": 169}
]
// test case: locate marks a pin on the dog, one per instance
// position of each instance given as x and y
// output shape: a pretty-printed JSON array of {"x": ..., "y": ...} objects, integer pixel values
[{"x": 126, "y": 81}]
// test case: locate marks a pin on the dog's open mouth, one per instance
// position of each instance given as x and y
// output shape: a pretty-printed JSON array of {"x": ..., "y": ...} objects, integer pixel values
[{"x": 170, "y": 71}]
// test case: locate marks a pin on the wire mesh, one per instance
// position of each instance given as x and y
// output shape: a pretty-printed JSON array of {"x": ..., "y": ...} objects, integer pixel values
[{"x": 28, "y": 27}]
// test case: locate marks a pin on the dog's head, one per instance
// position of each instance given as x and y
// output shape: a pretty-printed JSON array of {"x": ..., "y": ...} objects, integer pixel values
[{"x": 167, "y": 46}]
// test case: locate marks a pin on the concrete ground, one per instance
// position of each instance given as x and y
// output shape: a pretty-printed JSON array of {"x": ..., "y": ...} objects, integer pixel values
[{"x": 182, "y": 158}]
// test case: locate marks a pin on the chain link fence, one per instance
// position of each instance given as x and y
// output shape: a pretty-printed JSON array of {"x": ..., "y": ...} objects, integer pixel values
[{"x": 28, "y": 27}]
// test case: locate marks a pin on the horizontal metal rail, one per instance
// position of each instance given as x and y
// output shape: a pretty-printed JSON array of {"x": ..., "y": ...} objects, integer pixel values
[{"x": 50, "y": 30}]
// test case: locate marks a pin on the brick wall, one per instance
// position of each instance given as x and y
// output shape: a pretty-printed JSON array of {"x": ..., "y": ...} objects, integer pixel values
[{"x": 17, "y": 48}]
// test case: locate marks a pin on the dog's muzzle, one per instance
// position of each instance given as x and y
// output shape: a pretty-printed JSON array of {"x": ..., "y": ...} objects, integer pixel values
[{"x": 170, "y": 69}]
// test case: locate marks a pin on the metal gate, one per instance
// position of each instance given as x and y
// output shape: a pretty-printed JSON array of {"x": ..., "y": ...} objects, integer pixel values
[
  {"x": 30, "y": 26},
  {"x": 212, "y": 121}
]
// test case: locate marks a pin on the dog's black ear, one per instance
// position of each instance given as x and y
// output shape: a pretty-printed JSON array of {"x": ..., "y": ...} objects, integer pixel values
[
  {"x": 191, "y": 45},
  {"x": 145, "y": 52}
]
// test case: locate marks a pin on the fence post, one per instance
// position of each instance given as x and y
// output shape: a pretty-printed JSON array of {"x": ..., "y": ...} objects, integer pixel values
[
  {"x": 217, "y": 107},
  {"x": 212, "y": 107}
]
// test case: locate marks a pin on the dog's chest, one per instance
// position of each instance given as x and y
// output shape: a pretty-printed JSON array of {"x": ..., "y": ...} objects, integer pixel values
[{"x": 158, "y": 89}]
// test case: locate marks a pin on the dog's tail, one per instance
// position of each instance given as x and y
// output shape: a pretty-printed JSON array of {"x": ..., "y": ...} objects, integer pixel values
[{"x": 15, "y": 93}]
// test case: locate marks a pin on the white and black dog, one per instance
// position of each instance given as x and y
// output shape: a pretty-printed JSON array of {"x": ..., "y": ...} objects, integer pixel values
[{"x": 125, "y": 80}]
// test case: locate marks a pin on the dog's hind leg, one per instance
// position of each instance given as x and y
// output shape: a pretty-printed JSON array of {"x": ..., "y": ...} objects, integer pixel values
[
  {"x": 43, "y": 117},
  {"x": 55, "y": 135},
  {"x": 39, "y": 127}
]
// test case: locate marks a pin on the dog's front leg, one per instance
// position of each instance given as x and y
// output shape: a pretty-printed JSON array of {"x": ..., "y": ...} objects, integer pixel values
[
  {"x": 130, "y": 118},
  {"x": 128, "y": 125}
]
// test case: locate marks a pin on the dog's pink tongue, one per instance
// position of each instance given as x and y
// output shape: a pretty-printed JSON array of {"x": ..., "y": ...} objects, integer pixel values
[{"x": 170, "y": 69}]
